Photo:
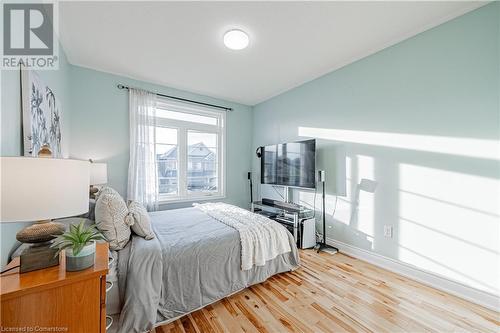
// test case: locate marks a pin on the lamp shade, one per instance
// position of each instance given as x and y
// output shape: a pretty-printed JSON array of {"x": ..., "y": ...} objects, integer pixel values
[
  {"x": 42, "y": 188},
  {"x": 98, "y": 173}
]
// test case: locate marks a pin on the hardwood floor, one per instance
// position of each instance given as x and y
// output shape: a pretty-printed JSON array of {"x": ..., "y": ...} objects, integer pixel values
[{"x": 337, "y": 293}]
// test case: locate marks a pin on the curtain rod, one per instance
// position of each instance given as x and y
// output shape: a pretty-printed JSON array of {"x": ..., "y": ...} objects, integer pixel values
[{"x": 121, "y": 86}]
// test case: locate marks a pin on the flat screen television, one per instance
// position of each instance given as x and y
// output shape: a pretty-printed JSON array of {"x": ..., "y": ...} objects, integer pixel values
[{"x": 289, "y": 164}]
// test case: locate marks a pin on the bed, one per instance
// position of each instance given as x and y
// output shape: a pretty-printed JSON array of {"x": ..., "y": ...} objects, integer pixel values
[{"x": 193, "y": 261}]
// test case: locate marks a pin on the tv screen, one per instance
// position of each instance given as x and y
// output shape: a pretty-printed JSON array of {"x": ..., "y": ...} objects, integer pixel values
[{"x": 289, "y": 164}]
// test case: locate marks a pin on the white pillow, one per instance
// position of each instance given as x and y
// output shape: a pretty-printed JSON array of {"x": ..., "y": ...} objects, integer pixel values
[
  {"x": 111, "y": 218},
  {"x": 142, "y": 223}
]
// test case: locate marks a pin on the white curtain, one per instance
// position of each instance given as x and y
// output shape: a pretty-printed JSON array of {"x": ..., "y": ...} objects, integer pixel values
[{"x": 142, "y": 169}]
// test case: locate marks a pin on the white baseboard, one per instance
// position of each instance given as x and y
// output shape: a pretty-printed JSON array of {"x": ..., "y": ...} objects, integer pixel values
[{"x": 474, "y": 295}]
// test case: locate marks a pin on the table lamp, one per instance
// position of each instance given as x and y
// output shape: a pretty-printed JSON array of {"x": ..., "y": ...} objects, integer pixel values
[
  {"x": 41, "y": 189},
  {"x": 98, "y": 176}
]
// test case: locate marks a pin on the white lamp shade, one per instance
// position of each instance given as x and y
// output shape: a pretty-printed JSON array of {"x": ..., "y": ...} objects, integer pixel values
[
  {"x": 43, "y": 188},
  {"x": 98, "y": 173}
]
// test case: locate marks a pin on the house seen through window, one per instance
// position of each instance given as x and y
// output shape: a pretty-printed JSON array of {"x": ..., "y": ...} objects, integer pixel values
[{"x": 189, "y": 151}]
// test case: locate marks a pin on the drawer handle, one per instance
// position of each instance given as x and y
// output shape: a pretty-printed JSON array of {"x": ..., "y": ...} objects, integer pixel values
[
  {"x": 109, "y": 285},
  {"x": 110, "y": 319},
  {"x": 111, "y": 260}
]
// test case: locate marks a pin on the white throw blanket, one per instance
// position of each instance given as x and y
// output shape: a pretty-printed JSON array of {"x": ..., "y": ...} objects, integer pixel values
[{"x": 262, "y": 239}]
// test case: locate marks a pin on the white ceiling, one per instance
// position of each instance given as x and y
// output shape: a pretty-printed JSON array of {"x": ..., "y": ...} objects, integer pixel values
[{"x": 179, "y": 44}]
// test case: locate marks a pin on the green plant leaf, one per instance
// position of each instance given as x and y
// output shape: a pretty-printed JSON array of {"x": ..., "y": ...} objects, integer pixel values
[
  {"x": 71, "y": 237},
  {"x": 77, "y": 237},
  {"x": 77, "y": 248},
  {"x": 72, "y": 228}
]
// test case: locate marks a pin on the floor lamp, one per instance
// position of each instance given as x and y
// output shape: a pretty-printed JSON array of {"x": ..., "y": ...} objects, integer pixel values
[
  {"x": 322, "y": 246},
  {"x": 251, "y": 186}
]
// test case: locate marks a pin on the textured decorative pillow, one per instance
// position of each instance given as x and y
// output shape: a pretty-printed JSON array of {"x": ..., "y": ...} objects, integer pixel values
[
  {"x": 105, "y": 190},
  {"x": 142, "y": 222},
  {"x": 111, "y": 218}
]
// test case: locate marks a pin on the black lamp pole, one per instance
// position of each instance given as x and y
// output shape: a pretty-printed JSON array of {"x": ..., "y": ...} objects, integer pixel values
[
  {"x": 322, "y": 245},
  {"x": 251, "y": 186},
  {"x": 324, "y": 218}
]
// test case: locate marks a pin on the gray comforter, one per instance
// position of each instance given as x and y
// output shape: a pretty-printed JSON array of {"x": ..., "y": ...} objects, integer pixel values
[{"x": 193, "y": 261}]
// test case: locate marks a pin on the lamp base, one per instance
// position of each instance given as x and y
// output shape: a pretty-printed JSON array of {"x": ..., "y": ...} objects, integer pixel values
[
  {"x": 40, "y": 232},
  {"x": 326, "y": 248},
  {"x": 38, "y": 256}
]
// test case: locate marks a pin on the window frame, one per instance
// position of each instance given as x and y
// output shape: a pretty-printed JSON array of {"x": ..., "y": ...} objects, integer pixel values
[{"x": 183, "y": 128}]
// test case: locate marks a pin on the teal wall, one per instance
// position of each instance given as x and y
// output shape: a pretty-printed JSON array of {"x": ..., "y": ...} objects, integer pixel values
[
  {"x": 99, "y": 129},
  {"x": 441, "y": 85},
  {"x": 11, "y": 125}
]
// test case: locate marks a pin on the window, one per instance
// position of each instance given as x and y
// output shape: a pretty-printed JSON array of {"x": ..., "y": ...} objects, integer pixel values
[{"x": 190, "y": 151}]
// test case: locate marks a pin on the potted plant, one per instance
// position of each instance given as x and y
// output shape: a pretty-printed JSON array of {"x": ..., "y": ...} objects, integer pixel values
[{"x": 78, "y": 244}]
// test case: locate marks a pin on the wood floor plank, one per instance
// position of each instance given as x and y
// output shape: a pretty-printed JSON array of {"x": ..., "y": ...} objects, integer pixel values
[
  {"x": 226, "y": 319},
  {"x": 202, "y": 323},
  {"x": 262, "y": 312},
  {"x": 187, "y": 324},
  {"x": 338, "y": 293},
  {"x": 209, "y": 313}
]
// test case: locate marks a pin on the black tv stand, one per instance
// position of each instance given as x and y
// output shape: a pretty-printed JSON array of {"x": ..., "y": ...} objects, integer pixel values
[
  {"x": 283, "y": 205},
  {"x": 298, "y": 220}
]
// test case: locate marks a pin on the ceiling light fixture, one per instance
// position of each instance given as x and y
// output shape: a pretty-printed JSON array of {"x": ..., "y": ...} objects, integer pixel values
[{"x": 236, "y": 39}]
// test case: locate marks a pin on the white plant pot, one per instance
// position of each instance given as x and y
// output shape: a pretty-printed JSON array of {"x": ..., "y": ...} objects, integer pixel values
[{"x": 84, "y": 259}]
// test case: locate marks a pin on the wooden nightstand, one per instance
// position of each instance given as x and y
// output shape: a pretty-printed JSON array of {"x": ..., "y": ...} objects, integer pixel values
[{"x": 53, "y": 298}]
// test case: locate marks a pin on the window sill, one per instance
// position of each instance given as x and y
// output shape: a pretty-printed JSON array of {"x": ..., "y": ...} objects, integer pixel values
[{"x": 193, "y": 199}]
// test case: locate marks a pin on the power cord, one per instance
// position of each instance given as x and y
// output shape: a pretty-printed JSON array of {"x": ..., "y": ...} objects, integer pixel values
[
  {"x": 314, "y": 200},
  {"x": 335, "y": 207},
  {"x": 318, "y": 235}
]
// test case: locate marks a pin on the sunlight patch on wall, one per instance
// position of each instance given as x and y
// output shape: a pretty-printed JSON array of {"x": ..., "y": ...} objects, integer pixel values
[
  {"x": 474, "y": 192},
  {"x": 449, "y": 224},
  {"x": 344, "y": 208},
  {"x": 365, "y": 169},
  {"x": 448, "y": 270},
  {"x": 479, "y": 148}
]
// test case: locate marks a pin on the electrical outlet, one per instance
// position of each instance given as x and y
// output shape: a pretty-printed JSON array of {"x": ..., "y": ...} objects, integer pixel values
[{"x": 388, "y": 231}]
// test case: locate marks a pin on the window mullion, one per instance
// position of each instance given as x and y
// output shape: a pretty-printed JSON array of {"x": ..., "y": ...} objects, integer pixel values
[
  {"x": 221, "y": 171},
  {"x": 182, "y": 162}
]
